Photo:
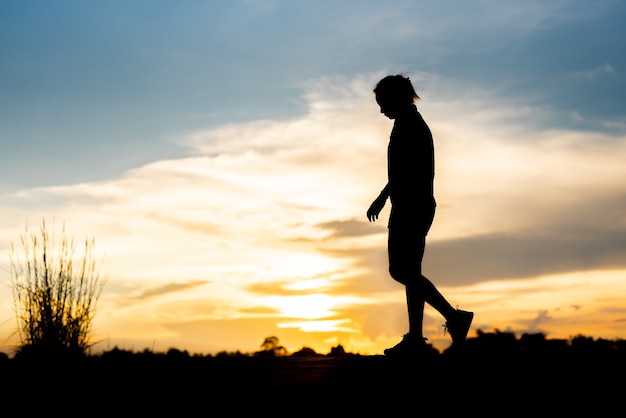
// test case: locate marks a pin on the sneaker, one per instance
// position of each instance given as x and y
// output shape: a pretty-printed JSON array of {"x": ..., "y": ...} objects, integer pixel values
[
  {"x": 459, "y": 326},
  {"x": 409, "y": 346}
]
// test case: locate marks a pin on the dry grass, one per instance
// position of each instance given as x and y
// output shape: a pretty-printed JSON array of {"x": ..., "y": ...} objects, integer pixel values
[{"x": 55, "y": 291}]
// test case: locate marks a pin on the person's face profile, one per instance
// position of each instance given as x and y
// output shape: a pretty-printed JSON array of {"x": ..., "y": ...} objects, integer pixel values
[{"x": 385, "y": 107}]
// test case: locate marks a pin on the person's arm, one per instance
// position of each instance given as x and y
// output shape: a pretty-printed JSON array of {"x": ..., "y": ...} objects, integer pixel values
[{"x": 378, "y": 204}]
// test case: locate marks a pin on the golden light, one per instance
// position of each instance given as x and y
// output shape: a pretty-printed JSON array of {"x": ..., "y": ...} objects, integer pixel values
[
  {"x": 320, "y": 326},
  {"x": 314, "y": 312},
  {"x": 314, "y": 306}
]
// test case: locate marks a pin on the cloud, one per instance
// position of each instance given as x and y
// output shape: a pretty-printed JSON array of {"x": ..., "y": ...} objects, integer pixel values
[
  {"x": 269, "y": 210},
  {"x": 588, "y": 234},
  {"x": 351, "y": 228},
  {"x": 497, "y": 256},
  {"x": 513, "y": 200},
  {"x": 167, "y": 289},
  {"x": 595, "y": 72},
  {"x": 283, "y": 288}
]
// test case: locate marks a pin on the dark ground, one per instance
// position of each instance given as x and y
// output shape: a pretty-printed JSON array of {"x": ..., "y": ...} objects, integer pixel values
[{"x": 494, "y": 375}]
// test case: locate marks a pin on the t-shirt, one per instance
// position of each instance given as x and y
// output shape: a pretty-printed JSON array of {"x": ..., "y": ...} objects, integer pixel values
[{"x": 410, "y": 166}]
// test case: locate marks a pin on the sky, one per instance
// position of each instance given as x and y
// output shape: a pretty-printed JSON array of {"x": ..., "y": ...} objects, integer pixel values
[{"x": 222, "y": 156}]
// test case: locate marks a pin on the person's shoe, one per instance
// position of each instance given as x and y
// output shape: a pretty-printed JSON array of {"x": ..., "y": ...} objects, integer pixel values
[
  {"x": 459, "y": 326},
  {"x": 410, "y": 346}
]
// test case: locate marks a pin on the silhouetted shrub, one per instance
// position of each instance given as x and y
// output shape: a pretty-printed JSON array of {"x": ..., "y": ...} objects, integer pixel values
[
  {"x": 271, "y": 348},
  {"x": 306, "y": 352},
  {"x": 337, "y": 351},
  {"x": 55, "y": 292},
  {"x": 176, "y": 354}
]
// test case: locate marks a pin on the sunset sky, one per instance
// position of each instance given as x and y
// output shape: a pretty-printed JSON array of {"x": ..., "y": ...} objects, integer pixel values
[{"x": 222, "y": 155}]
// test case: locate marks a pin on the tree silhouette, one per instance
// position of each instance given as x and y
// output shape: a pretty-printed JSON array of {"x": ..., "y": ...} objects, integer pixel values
[{"x": 272, "y": 348}]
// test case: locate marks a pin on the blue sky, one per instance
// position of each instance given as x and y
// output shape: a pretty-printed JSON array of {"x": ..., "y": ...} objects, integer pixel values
[
  {"x": 102, "y": 102},
  {"x": 91, "y": 89}
]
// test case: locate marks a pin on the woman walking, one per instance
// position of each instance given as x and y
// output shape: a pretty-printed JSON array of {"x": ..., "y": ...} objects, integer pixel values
[{"x": 409, "y": 188}]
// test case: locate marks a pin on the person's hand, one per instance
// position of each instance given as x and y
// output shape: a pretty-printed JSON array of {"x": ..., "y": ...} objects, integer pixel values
[{"x": 375, "y": 208}]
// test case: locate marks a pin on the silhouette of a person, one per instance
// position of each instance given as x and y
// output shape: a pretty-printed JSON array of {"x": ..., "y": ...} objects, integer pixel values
[{"x": 411, "y": 170}]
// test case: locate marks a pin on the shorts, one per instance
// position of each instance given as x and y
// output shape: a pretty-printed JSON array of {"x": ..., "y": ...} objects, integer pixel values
[{"x": 406, "y": 243}]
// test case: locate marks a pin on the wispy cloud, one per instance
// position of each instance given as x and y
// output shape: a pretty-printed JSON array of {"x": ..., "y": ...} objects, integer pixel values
[
  {"x": 170, "y": 288},
  {"x": 594, "y": 72}
]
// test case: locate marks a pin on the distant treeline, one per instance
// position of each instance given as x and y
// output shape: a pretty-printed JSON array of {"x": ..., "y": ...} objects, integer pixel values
[{"x": 490, "y": 344}]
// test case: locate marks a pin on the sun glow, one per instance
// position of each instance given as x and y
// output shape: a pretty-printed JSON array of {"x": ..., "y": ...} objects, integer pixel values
[
  {"x": 310, "y": 284},
  {"x": 338, "y": 325},
  {"x": 315, "y": 306},
  {"x": 312, "y": 306}
]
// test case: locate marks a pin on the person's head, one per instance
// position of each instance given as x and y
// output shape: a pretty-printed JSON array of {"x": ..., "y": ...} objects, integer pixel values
[{"x": 394, "y": 93}]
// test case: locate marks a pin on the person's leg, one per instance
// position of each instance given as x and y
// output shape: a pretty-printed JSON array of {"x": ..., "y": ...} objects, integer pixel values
[
  {"x": 406, "y": 251},
  {"x": 415, "y": 295},
  {"x": 415, "y": 305},
  {"x": 424, "y": 291},
  {"x": 405, "y": 254},
  {"x": 403, "y": 269},
  {"x": 406, "y": 245},
  {"x": 435, "y": 298},
  {"x": 458, "y": 322}
]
